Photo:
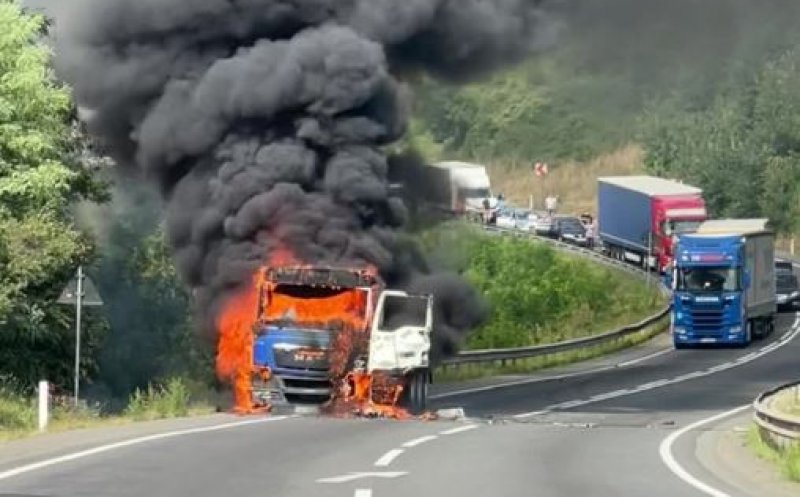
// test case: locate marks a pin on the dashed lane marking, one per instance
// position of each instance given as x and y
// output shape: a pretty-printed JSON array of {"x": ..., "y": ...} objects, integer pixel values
[
  {"x": 419, "y": 441},
  {"x": 387, "y": 458},
  {"x": 453, "y": 431},
  {"x": 360, "y": 475}
]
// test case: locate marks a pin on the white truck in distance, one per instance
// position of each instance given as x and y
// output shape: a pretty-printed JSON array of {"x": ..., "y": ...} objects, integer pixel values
[{"x": 459, "y": 188}]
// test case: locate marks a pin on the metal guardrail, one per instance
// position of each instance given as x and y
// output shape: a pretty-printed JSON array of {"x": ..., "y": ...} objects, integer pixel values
[
  {"x": 512, "y": 354},
  {"x": 779, "y": 429}
]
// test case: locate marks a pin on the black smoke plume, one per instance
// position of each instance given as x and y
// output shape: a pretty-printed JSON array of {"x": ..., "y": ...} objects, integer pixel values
[{"x": 262, "y": 122}]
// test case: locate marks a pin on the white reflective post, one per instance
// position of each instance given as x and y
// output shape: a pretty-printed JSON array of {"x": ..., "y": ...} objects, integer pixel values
[{"x": 44, "y": 397}]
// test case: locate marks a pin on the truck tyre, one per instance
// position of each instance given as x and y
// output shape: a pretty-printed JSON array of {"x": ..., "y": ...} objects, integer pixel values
[
  {"x": 415, "y": 395},
  {"x": 763, "y": 329},
  {"x": 748, "y": 333}
]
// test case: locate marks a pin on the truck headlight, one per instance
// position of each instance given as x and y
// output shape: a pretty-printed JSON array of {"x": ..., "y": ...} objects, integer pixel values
[
  {"x": 736, "y": 329},
  {"x": 679, "y": 330}
]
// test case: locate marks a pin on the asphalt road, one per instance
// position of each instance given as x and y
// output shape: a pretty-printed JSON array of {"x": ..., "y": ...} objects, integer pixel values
[{"x": 594, "y": 434}]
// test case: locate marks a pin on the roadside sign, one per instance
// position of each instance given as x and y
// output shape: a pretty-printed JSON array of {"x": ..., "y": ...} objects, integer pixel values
[
  {"x": 69, "y": 295},
  {"x": 80, "y": 291}
]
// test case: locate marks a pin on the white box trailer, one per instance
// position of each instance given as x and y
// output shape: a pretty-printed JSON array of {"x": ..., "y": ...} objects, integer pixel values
[{"x": 459, "y": 188}]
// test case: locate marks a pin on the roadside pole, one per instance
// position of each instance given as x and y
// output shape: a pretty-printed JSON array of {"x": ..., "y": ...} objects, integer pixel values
[
  {"x": 79, "y": 292},
  {"x": 78, "y": 305},
  {"x": 44, "y": 397}
]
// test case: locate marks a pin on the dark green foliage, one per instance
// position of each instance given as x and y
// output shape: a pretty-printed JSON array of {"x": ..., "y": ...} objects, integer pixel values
[
  {"x": 40, "y": 248},
  {"x": 148, "y": 308},
  {"x": 743, "y": 150},
  {"x": 537, "y": 295}
]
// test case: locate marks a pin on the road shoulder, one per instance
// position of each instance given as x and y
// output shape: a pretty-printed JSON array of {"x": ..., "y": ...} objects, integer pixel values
[
  {"x": 722, "y": 451},
  {"x": 25, "y": 450}
]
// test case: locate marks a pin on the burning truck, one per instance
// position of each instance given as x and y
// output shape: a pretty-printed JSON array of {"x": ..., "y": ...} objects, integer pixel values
[{"x": 334, "y": 336}]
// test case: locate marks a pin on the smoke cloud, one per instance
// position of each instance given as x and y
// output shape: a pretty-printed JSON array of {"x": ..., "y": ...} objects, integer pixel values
[{"x": 262, "y": 122}]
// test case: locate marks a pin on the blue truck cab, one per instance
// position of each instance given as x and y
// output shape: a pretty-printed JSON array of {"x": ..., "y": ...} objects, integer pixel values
[
  {"x": 298, "y": 362},
  {"x": 301, "y": 310},
  {"x": 723, "y": 284}
]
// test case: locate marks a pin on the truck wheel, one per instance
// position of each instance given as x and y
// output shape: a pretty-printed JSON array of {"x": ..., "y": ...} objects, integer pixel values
[
  {"x": 748, "y": 333},
  {"x": 415, "y": 395},
  {"x": 767, "y": 327}
]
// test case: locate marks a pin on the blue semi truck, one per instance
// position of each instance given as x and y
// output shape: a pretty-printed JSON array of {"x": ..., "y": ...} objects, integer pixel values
[{"x": 724, "y": 283}]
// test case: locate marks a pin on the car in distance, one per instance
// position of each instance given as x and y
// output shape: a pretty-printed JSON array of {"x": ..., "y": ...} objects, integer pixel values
[
  {"x": 570, "y": 229},
  {"x": 787, "y": 289},
  {"x": 541, "y": 223}
]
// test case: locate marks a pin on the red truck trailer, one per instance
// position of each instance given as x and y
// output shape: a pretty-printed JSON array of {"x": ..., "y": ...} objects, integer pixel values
[{"x": 639, "y": 217}]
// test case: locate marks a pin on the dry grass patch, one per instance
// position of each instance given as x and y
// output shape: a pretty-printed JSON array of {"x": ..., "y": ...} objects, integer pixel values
[{"x": 575, "y": 183}]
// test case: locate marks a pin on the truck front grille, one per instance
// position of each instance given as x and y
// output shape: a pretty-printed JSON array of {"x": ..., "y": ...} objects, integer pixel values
[
  {"x": 306, "y": 358},
  {"x": 707, "y": 319}
]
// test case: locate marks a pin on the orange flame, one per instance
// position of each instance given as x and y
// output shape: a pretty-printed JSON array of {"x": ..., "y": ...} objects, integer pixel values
[
  {"x": 235, "y": 345},
  {"x": 368, "y": 395},
  {"x": 345, "y": 312}
]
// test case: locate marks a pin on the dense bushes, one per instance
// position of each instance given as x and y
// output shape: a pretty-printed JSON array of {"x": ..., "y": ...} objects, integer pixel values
[
  {"x": 536, "y": 294},
  {"x": 168, "y": 399}
]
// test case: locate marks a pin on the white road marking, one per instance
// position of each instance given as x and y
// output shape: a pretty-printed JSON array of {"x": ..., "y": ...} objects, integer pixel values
[
  {"x": 652, "y": 384},
  {"x": 747, "y": 357},
  {"x": 361, "y": 475},
  {"x": 419, "y": 441},
  {"x": 602, "y": 396},
  {"x": 569, "y": 404},
  {"x": 795, "y": 330},
  {"x": 689, "y": 376},
  {"x": 725, "y": 365},
  {"x": 130, "y": 442},
  {"x": 665, "y": 451},
  {"x": 531, "y": 414},
  {"x": 645, "y": 358},
  {"x": 363, "y": 492},
  {"x": 387, "y": 458},
  {"x": 453, "y": 431}
]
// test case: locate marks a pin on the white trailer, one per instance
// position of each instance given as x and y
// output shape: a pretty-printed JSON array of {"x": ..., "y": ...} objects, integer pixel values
[{"x": 459, "y": 188}]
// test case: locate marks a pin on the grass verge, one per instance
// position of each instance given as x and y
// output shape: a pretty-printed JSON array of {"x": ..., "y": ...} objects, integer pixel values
[
  {"x": 170, "y": 399},
  {"x": 473, "y": 371},
  {"x": 787, "y": 460},
  {"x": 788, "y": 402}
]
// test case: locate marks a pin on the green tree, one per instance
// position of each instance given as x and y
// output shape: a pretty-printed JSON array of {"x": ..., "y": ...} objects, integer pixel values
[
  {"x": 40, "y": 176},
  {"x": 743, "y": 149}
]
